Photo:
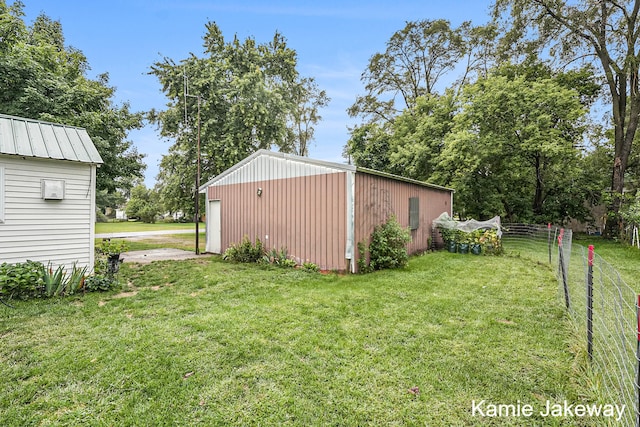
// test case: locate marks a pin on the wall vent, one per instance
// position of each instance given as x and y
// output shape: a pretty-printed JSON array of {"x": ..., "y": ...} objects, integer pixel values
[{"x": 53, "y": 189}]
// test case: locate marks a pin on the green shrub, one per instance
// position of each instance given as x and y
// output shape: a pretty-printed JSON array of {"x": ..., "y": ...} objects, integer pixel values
[
  {"x": 388, "y": 247},
  {"x": 363, "y": 262},
  {"x": 98, "y": 283},
  {"x": 112, "y": 247},
  {"x": 245, "y": 251},
  {"x": 22, "y": 280},
  {"x": 311, "y": 267}
]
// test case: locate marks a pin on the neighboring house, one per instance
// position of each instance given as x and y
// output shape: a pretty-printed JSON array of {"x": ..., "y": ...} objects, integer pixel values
[
  {"x": 121, "y": 214},
  {"x": 318, "y": 210},
  {"x": 47, "y": 193}
]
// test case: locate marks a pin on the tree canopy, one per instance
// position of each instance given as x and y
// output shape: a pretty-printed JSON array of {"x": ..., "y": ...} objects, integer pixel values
[
  {"x": 251, "y": 97},
  {"x": 41, "y": 78},
  {"x": 604, "y": 30},
  {"x": 509, "y": 138}
]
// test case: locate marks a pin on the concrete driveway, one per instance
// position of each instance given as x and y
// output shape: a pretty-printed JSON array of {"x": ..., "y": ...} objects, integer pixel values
[{"x": 149, "y": 255}]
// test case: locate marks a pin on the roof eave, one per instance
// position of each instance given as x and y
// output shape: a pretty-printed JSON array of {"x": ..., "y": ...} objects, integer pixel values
[{"x": 402, "y": 178}]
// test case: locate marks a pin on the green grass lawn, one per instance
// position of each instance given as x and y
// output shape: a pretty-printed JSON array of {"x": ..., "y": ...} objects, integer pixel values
[
  {"x": 623, "y": 257},
  {"x": 204, "y": 342},
  {"x": 185, "y": 241},
  {"x": 118, "y": 227}
]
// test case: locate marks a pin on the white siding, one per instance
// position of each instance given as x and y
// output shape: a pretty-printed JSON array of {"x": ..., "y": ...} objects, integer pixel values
[{"x": 56, "y": 231}]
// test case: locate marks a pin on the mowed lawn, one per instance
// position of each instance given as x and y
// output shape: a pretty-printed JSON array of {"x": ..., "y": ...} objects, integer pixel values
[
  {"x": 135, "y": 226},
  {"x": 204, "y": 342}
]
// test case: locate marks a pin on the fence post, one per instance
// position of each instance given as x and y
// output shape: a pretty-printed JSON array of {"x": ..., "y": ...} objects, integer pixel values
[
  {"x": 549, "y": 240},
  {"x": 562, "y": 270},
  {"x": 590, "y": 304}
]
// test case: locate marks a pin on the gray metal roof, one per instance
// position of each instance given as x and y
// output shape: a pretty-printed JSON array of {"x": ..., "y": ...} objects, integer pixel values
[{"x": 34, "y": 138}]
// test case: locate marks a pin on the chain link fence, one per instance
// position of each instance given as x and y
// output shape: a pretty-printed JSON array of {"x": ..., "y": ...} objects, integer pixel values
[{"x": 602, "y": 306}]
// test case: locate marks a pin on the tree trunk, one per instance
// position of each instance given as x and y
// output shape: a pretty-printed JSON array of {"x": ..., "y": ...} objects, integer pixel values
[
  {"x": 538, "y": 197},
  {"x": 625, "y": 130}
]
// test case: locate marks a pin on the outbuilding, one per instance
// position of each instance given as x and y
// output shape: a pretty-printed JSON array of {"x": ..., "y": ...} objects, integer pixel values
[
  {"x": 47, "y": 193},
  {"x": 317, "y": 210}
]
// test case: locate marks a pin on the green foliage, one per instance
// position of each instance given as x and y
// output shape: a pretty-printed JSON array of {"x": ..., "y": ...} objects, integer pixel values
[
  {"x": 107, "y": 262},
  {"x": 279, "y": 258},
  {"x": 54, "y": 282},
  {"x": 307, "y": 99},
  {"x": 512, "y": 150},
  {"x": 76, "y": 279},
  {"x": 252, "y": 97},
  {"x": 418, "y": 136},
  {"x": 44, "y": 80},
  {"x": 59, "y": 283},
  {"x": 488, "y": 239},
  {"x": 165, "y": 357},
  {"x": 363, "y": 258},
  {"x": 566, "y": 30},
  {"x": 415, "y": 59},
  {"x": 112, "y": 247},
  {"x": 368, "y": 146},
  {"x": 21, "y": 280},
  {"x": 631, "y": 213},
  {"x": 448, "y": 234},
  {"x": 144, "y": 204},
  {"x": 310, "y": 267},
  {"x": 388, "y": 246},
  {"x": 245, "y": 251},
  {"x": 34, "y": 280},
  {"x": 98, "y": 283}
]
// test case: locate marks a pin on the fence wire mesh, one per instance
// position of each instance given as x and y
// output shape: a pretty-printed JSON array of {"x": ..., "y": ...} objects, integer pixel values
[{"x": 608, "y": 325}]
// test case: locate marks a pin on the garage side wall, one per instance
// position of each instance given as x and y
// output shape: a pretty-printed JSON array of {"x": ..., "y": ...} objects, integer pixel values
[
  {"x": 377, "y": 197},
  {"x": 305, "y": 214},
  {"x": 56, "y": 231}
]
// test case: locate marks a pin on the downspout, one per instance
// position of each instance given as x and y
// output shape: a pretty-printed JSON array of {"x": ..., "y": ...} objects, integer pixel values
[
  {"x": 92, "y": 225},
  {"x": 350, "y": 249},
  {"x": 207, "y": 214}
]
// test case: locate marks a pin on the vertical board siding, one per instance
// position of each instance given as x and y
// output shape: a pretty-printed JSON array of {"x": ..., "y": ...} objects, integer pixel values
[
  {"x": 56, "y": 231},
  {"x": 304, "y": 214},
  {"x": 376, "y": 198}
]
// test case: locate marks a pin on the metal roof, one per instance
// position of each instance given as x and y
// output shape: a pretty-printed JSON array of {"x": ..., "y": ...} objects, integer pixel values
[
  {"x": 34, "y": 138},
  {"x": 318, "y": 166}
]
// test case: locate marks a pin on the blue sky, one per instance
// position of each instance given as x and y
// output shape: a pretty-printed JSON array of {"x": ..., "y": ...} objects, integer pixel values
[{"x": 333, "y": 39}]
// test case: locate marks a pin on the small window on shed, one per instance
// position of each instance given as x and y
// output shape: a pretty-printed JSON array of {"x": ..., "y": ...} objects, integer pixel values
[{"x": 414, "y": 213}]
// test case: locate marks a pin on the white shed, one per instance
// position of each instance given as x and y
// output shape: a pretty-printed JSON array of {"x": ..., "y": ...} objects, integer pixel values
[{"x": 47, "y": 192}]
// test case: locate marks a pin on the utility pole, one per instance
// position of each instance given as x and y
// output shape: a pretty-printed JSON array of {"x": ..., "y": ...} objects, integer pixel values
[{"x": 197, "y": 195}]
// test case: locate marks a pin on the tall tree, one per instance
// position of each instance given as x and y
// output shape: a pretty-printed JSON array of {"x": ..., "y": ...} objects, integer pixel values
[
  {"x": 415, "y": 60},
  {"x": 41, "y": 78},
  {"x": 419, "y": 134},
  {"x": 605, "y": 29},
  {"x": 514, "y": 149},
  {"x": 249, "y": 93},
  {"x": 307, "y": 100}
]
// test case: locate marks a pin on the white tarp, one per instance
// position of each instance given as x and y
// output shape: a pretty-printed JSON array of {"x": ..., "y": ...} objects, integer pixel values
[{"x": 445, "y": 221}]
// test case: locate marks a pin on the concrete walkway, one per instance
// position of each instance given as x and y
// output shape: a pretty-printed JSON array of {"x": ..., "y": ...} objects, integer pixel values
[{"x": 147, "y": 256}]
